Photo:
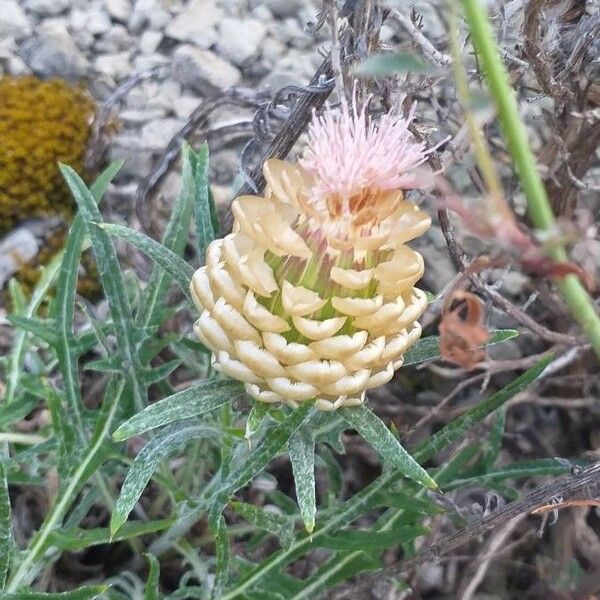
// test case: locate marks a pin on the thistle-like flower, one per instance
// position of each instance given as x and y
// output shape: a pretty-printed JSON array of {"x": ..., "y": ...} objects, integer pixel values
[{"x": 312, "y": 295}]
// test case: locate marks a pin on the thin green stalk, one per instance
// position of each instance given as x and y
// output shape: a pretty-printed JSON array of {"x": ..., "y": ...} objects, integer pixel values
[
  {"x": 577, "y": 299},
  {"x": 26, "y": 571}
]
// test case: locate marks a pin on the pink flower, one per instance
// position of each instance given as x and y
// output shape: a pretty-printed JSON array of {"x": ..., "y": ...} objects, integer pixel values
[{"x": 348, "y": 153}]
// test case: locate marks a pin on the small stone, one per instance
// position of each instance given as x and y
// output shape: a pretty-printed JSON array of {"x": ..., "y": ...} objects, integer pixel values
[
  {"x": 13, "y": 21},
  {"x": 240, "y": 39},
  {"x": 141, "y": 116},
  {"x": 144, "y": 63},
  {"x": 284, "y": 8},
  {"x": 115, "y": 40},
  {"x": 137, "y": 162},
  {"x": 98, "y": 22},
  {"x": 196, "y": 23},
  {"x": 272, "y": 51},
  {"x": 195, "y": 68},
  {"x": 168, "y": 92},
  {"x": 116, "y": 66},
  {"x": 142, "y": 95},
  {"x": 45, "y": 8},
  {"x": 183, "y": 107},
  {"x": 52, "y": 52},
  {"x": 80, "y": 33},
  {"x": 147, "y": 13},
  {"x": 119, "y": 10},
  {"x": 157, "y": 134},
  {"x": 431, "y": 577},
  {"x": 150, "y": 41},
  {"x": 262, "y": 13},
  {"x": 17, "y": 248}
]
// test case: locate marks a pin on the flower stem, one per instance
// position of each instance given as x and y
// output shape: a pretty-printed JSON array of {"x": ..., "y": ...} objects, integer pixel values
[{"x": 579, "y": 302}]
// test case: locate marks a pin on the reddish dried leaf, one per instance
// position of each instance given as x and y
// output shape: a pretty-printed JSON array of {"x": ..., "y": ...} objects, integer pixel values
[{"x": 462, "y": 331}]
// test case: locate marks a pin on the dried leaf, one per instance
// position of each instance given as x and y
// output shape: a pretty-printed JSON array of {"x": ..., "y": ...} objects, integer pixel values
[{"x": 462, "y": 331}]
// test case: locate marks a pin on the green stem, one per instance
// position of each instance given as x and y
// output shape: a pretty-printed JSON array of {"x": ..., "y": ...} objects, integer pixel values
[
  {"x": 579, "y": 302},
  {"x": 26, "y": 571}
]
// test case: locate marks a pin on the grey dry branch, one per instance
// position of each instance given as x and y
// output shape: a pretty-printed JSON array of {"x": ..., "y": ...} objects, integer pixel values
[
  {"x": 578, "y": 485},
  {"x": 461, "y": 261}
]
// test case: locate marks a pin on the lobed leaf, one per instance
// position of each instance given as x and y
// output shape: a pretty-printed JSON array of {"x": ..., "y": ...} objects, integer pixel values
[
  {"x": 88, "y": 592},
  {"x": 273, "y": 442},
  {"x": 279, "y": 525},
  {"x": 177, "y": 268},
  {"x": 193, "y": 402},
  {"x": 66, "y": 289},
  {"x": 375, "y": 433},
  {"x": 146, "y": 462},
  {"x": 151, "y": 591},
  {"x": 457, "y": 428},
  {"x": 5, "y": 524},
  {"x": 113, "y": 284},
  {"x": 15, "y": 363},
  {"x": 301, "y": 449}
]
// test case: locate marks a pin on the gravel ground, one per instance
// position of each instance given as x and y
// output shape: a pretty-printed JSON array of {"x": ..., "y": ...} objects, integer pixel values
[{"x": 193, "y": 49}]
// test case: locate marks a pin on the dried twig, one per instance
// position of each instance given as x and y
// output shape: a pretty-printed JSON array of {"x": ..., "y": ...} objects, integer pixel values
[
  {"x": 461, "y": 261},
  {"x": 429, "y": 50},
  {"x": 98, "y": 141},
  {"x": 579, "y": 484},
  {"x": 489, "y": 553}
]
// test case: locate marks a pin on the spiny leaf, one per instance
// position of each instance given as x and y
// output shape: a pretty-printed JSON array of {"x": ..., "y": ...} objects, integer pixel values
[
  {"x": 157, "y": 449},
  {"x": 173, "y": 265},
  {"x": 457, "y": 428},
  {"x": 126, "y": 332},
  {"x": 301, "y": 448},
  {"x": 151, "y": 588},
  {"x": 5, "y": 524},
  {"x": 259, "y": 458},
  {"x": 375, "y": 433},
  {"x": 88, "y": 592},
  {"x": 196, "y": 400}
]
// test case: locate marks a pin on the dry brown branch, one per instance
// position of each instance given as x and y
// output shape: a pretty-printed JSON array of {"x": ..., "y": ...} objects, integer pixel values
[
  {"x": 461, "y": 262},
  {"x": 100, "y": 135},
  {"x": 581, "y": 484},
  {"x": 490, "y": 551},
  {"x": 429, "y": 50},
  {"x": 314, "y": 98}
]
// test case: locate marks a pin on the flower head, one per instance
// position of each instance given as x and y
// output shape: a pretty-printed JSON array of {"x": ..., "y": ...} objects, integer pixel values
[
  {"x": 348, "y": 153},
  {"x": 312, "y": 295}
]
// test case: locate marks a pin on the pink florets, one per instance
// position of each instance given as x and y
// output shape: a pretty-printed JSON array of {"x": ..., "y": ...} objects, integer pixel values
[{"x": 348, "y": 152}]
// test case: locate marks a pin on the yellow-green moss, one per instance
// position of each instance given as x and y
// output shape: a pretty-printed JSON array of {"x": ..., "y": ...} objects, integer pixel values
[{"x": 41, "y": 123}]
